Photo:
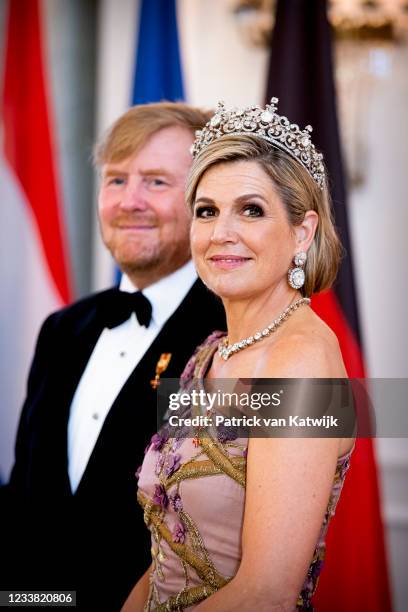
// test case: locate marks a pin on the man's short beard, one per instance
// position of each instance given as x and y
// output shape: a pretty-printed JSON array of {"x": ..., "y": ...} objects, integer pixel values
[
  {"x": 140, "y": 266},
  {"x": 148, "y": 265},
  {"x": 144, "y": 262}
]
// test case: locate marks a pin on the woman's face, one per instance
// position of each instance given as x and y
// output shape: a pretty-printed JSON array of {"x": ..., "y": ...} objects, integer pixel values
[{"x": 241, "y": 240}]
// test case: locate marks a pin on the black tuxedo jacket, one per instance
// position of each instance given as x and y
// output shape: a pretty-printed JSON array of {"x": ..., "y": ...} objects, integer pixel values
[{"x": 93, "y": 541}]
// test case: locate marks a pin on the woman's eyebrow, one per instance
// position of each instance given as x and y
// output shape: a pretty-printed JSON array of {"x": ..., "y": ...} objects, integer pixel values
[
  {"x": 250, "y": 196},
  {"x": 204, "y": 200}
]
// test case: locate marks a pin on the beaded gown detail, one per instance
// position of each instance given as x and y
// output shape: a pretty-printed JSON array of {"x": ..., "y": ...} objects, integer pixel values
[{"x": 192, "y": 491}]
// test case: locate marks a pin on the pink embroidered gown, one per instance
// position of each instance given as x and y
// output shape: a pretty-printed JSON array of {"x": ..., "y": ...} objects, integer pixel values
[{"x": 192, "y": 492}]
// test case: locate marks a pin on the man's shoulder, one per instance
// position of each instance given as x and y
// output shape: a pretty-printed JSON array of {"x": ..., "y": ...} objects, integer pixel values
[
  {"x": 200, "y": 300},
  {"x": 201, "y": 310},
  {"x": 199, "y": 291}
]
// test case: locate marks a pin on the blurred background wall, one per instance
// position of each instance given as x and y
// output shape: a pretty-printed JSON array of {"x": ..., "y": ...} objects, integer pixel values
[{"x": 89, "y": 51}]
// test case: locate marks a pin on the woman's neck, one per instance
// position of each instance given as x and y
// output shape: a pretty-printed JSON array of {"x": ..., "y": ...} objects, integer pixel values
[{"x": 247, "y": 316}]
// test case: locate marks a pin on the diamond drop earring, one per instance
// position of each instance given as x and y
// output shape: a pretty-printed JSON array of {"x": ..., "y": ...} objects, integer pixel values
[{"x": 296, "y": 275}]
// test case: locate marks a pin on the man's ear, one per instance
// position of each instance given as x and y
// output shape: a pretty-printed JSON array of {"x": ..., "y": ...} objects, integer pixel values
[{"x": 305, "y": 231}]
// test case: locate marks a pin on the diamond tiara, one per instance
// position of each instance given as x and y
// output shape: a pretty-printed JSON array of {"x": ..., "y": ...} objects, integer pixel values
[{"x": 268, "y": 125}]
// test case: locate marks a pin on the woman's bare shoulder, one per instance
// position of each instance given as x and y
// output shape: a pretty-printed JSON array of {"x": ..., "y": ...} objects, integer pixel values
[{"x": 307, "y": 348}]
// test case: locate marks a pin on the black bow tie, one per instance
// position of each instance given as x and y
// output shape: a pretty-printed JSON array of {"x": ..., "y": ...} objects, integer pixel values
[{"x": 119, "y": 305}]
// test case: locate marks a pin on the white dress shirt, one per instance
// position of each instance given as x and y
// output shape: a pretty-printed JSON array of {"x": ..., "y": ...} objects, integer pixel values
[{"x": 115, "y": 356}]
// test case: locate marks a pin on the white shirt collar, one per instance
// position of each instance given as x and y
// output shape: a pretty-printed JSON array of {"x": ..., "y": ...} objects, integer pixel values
[{"x": 166, "y": 294}]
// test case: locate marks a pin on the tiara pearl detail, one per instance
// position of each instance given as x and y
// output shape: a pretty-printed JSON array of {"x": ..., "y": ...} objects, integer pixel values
[
  {"x": 296, "y": 276},
  {"x": 225, "y": 350},
  {"x": 267, "y": 124}
]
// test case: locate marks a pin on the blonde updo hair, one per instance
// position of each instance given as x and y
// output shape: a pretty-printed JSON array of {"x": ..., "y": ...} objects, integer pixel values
[{"x": 298, "y": 193}]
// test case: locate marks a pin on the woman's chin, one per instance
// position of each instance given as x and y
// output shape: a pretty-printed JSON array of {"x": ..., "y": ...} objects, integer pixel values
[{"x": 228, "y": 290}]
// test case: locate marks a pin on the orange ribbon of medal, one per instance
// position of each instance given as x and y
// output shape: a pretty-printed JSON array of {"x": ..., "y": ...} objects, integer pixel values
[{"x": 161, "y": 367}]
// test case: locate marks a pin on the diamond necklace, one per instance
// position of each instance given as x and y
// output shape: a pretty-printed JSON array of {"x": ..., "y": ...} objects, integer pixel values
[{"x": 225, "y": 350}]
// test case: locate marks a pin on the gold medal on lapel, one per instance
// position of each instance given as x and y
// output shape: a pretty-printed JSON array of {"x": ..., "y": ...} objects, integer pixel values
[{"x": 161, "y": 367}]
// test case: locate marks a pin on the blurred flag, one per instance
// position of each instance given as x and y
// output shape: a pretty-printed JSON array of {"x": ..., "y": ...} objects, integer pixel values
[
  {"x": 301, "y": 75},
  {"x": 33, "y": 265},
  {"x": 158, "y": 74}
]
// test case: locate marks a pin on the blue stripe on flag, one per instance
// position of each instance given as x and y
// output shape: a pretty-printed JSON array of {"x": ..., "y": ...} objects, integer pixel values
[{"x": 158, "y": 68}]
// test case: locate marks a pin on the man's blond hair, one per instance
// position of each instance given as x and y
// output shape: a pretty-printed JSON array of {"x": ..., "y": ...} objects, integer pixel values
[{"x": 130, "y": 132}]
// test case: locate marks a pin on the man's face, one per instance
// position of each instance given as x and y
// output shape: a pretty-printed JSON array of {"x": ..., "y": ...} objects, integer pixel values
[{"x": 143, "y": 216}]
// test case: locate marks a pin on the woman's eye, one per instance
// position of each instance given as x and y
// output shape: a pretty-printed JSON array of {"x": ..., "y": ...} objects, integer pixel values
[
  {"x": 204, "y": 212},
  {"x": 253, "y": 210}
]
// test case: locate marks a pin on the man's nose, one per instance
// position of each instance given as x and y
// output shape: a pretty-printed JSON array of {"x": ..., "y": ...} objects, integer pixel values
[{"x": 134, "y": 197}]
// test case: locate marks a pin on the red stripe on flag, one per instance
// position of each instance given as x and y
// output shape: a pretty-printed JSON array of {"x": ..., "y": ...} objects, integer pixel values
[
  {"x": 347, "y": 539},
  {"x": 27, "y": 137},
  {"x": 356, "y": 544}
]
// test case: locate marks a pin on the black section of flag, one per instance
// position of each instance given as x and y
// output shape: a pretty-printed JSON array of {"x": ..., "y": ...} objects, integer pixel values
[{"x": 301, "y": 76}]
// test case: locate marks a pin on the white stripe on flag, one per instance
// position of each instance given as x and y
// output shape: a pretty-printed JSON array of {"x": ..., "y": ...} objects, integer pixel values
[{"x": 28, "y": 296}]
